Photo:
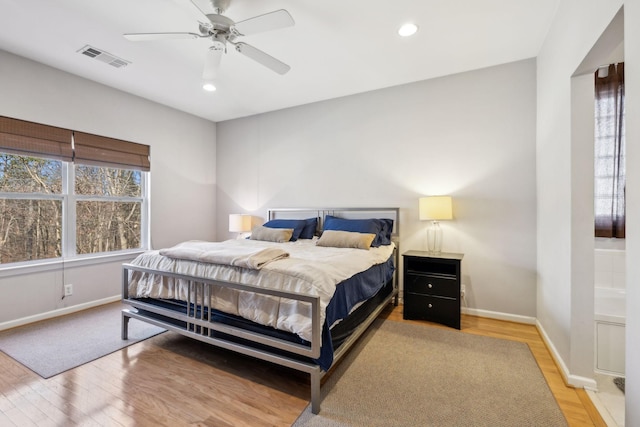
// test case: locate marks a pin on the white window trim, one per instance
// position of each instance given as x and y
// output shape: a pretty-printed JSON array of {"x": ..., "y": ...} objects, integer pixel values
[
  {"x": 69, "y": 257},
  {"x": 56, "y": 264},
  {"x": 68, "y": 212}
]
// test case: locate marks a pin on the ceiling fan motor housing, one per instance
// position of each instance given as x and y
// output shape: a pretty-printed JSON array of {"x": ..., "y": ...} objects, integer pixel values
[{"x": 220, "y": 22}]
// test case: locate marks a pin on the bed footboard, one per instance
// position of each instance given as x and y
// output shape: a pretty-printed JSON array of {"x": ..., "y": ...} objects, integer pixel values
[
  {"x": 201, "y": 326},
  {"x": 198, "y": 323}
]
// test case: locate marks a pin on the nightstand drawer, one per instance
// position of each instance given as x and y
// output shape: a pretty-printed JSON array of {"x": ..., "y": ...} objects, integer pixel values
[
  {"x": 442, "y": 310},
  {"x": 432, "y": 287},
  {"x": 427, "y": 284}
]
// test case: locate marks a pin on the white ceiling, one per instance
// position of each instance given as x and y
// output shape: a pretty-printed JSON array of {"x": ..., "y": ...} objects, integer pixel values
[{"x": 336, "y": 48}]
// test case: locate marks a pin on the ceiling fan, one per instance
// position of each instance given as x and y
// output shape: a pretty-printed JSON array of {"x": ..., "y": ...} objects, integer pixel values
[{"x": 221, "y": 30}]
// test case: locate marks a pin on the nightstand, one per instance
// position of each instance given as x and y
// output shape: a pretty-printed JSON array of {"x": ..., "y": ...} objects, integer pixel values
[{"x": 432, "y": 287}]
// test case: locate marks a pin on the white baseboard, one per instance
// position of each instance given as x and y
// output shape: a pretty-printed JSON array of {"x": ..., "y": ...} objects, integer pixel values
[
  {"x": 573, "y": 380},
  {"x": 499, "y": 316},
  {"x": 59, "y": 312}
]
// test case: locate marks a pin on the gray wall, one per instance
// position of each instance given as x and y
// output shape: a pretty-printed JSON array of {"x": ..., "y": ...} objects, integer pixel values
[
  {"x": 183, "y": 157},
  {"x": 470, "y": 135}
]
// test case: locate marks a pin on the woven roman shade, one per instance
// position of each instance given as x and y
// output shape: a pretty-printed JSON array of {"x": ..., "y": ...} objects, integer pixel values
[
  {"x": 33, "y": 139},
  {"x": 102, "y": 151}
]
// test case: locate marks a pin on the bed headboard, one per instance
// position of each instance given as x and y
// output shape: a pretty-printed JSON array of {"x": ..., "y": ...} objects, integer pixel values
[{"x": 347, "y": 213}]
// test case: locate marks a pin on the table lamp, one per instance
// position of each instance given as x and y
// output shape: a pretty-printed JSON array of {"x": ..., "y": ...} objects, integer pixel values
[
  {"x": 434, "y": 209},
  {"x": 239, "y": 223}
]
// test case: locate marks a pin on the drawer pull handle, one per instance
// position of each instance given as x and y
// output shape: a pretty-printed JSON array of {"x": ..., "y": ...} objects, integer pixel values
[
  {"x": 429, "y": 286},
  {"x": 430, "y": 305}
]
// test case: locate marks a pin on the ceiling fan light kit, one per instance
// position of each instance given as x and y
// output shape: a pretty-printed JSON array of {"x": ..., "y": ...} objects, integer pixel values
[{"x": 221, "y": 30}]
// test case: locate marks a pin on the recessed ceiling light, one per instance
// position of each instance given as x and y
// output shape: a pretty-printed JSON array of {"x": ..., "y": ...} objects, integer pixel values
[
  {"x": 408, "y": 30},
  {"x": 209, "y": 87}
]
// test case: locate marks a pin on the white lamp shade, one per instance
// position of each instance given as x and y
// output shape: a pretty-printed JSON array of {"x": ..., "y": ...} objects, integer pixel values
[
  {"x": 436, "y": 208},
  {"x": 239, "y": 223}
]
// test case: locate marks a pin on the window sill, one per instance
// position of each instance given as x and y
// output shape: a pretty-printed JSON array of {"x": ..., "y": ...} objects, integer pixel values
[
  {"x": 607, "y": 243},
  {"x": 60, "y": 263}
]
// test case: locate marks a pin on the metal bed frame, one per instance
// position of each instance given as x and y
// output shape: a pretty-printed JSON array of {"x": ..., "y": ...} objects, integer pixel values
[{"x": 200, "y": 325}]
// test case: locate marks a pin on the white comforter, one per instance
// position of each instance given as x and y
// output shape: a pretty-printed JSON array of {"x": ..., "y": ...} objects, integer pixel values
[
  {"x": 309, "y": 269},
  {"x": 223, "y": 253}
]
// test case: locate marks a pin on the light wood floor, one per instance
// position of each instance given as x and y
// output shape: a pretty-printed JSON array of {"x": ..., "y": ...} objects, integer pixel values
[{"x": 169, "y": 380}]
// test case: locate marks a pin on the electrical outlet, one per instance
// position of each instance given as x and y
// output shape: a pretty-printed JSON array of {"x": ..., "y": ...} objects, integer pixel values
[
  {"x": 68, "y": 290},
  {"x": 462, "y": 289}
]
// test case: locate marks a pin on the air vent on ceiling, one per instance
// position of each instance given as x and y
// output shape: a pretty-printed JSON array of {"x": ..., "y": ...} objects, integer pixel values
[{"x": 103, "y": 56}]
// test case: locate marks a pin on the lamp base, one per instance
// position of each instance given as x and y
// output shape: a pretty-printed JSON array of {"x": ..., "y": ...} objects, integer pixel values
[{"x": 434, "y": 238}]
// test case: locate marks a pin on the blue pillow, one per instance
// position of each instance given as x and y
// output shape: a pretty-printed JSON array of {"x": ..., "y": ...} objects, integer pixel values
[
  {"x": 310, "y": 227},
  {"x": 296, "y": 224},
  {"x": 380, "y": 227},
  {"x": 387, "y": 230}
]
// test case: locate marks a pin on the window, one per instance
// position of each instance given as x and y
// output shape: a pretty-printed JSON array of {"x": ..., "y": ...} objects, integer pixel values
[
  {"x": 108, "y": 209},
  {"x": 30, "y": 208},
  {"x": 609, "y": 166},
  {"x": 53, "y": 206}
]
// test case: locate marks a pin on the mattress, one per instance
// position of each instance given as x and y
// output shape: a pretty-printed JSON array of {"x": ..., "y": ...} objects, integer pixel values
[
  {"x": 353, "y": 301},
  {"x": 309, "y": 270}
]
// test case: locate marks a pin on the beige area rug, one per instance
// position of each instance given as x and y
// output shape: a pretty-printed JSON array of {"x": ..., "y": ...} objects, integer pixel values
[
  {"x": 401, "y": 374},
  {"x": 50, "y": 347}
]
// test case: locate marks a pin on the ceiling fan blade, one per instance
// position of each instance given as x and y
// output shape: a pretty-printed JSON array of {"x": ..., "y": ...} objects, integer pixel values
[
  {"x": 204, "y": 6},
  {"x": 263, "y": 58},
  {"x": 267, "y": 22},
  {"x": 212, "y": 62},
  {"x": 136, "y": 37}
]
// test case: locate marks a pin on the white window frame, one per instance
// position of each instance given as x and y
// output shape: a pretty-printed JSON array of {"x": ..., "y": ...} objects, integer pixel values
[{"x": 68, "y": 244}]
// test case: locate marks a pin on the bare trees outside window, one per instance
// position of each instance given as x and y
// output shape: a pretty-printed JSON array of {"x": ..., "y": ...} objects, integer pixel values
[
  {"x": 108, "y": 209},
  {"x": 106, "y": 202},
  {"x": 31, "y": 208}
]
